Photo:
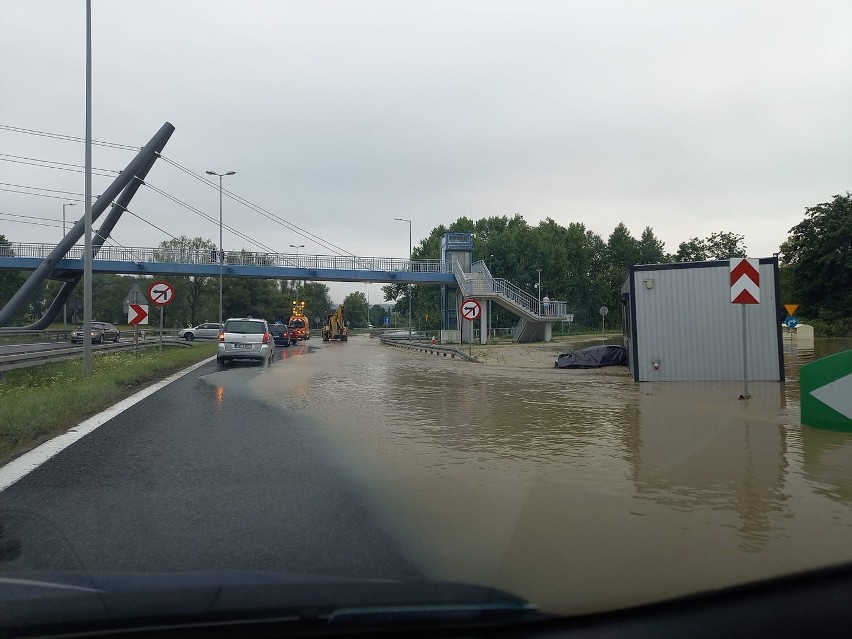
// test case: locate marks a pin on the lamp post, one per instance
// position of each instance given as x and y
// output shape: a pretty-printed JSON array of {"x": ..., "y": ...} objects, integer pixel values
[
  {"x": 65, "y": 306},
  {"x": 400, "y": 219},
  {"x": 538, "y": 270},
  {"x": 221, "y": 250},
  {"x": 297, "y": 247}
]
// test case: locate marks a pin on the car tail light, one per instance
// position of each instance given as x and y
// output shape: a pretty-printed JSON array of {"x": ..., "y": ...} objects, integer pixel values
[
  {"x": 221, "y": 336},
  {"x": 266, "y": 338}
]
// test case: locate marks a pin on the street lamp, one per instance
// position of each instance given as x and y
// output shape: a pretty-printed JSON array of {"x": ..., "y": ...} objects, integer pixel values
[
  {"x": 538, "y": 270},
  {"x": 65, "y": 305},
  {"x": 297, "y": 247},
  {"x": 400, "y": 219},
  {"x": 221, "y": 250}
]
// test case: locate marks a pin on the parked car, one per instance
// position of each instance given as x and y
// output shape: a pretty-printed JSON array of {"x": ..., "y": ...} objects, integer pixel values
[
  {"x": 210, "y": 330},
  {"x": 245, "y": 338},
  {"x": 101, "y": 332},
  {"x": 281, "y": 334}
]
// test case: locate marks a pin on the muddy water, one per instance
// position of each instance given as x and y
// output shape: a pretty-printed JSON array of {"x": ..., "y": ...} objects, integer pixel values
[{"x": 579, "y": 490}]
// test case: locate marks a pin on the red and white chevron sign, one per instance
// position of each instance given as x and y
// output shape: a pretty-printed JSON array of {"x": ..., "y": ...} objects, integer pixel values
[{"x": 745, "y": 280}]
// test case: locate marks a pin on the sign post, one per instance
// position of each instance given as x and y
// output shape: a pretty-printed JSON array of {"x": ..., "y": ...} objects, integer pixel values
[
  {"x": 161, "y": 294},
  {"x": 471, "y": 310},
  {"x": 745, "y": 289},
  {"x": 135, "y": 297},
  {"x": 137, "y": 314},
  {"x": 603, "y": 310}
]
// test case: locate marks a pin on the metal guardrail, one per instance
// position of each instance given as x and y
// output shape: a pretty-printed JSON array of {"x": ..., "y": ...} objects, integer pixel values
[
  {"x": 434, "y": 349},
  {"x": 232, "y": 258},
  {"x": 36, "y": 358},
  {"x": 21, "y": 335}
]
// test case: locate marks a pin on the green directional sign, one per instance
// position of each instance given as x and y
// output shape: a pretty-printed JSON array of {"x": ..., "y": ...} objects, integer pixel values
[{"x": 826, "y": 391}]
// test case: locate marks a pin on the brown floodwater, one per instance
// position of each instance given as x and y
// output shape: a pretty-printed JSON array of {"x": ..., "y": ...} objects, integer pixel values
[{"x": 579, "y": 490}]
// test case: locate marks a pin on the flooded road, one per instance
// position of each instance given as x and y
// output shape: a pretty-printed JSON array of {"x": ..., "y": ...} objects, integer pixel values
[{"x": 579, "y": 490}]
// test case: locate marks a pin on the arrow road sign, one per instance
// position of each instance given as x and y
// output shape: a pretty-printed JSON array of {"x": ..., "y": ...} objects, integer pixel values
[
  {"x": 161, "y": 293},
  {"x": 825, "y": 387},
  {"x": 137, "y": 314},
  {"x": 470, "y": 310},
  {"x": 745, "y": 280}
]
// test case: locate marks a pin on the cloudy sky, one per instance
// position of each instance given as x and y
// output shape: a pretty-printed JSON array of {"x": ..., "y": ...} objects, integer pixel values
[{"x": 690, "y": 117}]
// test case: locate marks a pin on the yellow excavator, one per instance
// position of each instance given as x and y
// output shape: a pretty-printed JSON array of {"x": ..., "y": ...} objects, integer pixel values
[{"x": 335, "y": 327}]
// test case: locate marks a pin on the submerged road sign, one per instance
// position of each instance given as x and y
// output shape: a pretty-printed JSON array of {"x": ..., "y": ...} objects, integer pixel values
[
  {"x": 825, "y": 387},
  {"x": 745, "y": 280}
]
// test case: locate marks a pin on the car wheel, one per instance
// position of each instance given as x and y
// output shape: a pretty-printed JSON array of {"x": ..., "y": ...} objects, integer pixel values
[
  {"x": 117, "y": 337},
  {"x": 220, "y": 364},
  {"x": 189, "y": 337}
]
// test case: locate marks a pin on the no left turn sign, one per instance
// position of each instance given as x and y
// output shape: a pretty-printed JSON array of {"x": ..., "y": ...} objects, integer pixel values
[
  {"x": 161, "y": 293},
  {"x": 470, "y": 310}
]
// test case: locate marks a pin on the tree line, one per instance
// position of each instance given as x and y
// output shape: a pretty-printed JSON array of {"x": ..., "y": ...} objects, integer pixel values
[{"x": 577, "y": 265}]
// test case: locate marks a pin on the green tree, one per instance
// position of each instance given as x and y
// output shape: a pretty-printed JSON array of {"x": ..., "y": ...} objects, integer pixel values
[
  {"x": 651, "y": 249},
  {"x": 377, "y": 315},
  {"x": 355, "y": 309},
  {"x": 819, "y": 254},
  {"x": 196, "y": 297},
  {"x": 10, "y": 282},
  {"x": 716, "y": 246}
]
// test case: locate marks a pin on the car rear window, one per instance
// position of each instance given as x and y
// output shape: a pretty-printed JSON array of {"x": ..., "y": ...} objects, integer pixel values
[
  {"x": 297, "y": 324},
  {"x": 244, "y": 326}
]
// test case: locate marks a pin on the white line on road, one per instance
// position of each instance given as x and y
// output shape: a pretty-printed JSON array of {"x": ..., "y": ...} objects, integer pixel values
[{"x": 20, "y": 467}]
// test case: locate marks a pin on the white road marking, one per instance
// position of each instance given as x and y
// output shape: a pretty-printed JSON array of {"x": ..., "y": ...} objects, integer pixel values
[{"x": 21, "y": 466}]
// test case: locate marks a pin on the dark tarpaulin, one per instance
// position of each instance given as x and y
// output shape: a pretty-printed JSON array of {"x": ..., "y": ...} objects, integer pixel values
[{"x": 593, "y": 357}]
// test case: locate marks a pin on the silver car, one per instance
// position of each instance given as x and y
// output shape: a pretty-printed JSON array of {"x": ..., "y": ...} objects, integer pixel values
[
  {"x": 245, "y": 338},
  {"x": 210, "y": 330}
]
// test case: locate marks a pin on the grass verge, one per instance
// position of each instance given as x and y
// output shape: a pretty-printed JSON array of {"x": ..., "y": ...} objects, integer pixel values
[{"x": 40, "y": 401}]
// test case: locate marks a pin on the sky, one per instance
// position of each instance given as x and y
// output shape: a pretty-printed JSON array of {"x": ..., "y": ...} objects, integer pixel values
[{"x": 689, "y": 117}]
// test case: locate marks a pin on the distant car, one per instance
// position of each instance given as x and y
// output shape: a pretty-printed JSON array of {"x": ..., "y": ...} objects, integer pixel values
[
  {"x": 245, "y": 338},
  {"x": 101, "y": 332},
  {"x": 281, "y": 334},
  {"x": 210, "y": 330}
]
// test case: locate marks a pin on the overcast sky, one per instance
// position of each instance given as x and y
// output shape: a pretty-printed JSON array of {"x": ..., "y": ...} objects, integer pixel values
[{"x": 689, "y": 117}]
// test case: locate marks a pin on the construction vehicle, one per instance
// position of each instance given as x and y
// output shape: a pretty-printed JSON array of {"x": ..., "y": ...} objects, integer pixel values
[
  {"x": 335, "y": 327},
  {"x": 300, "y": 325}
]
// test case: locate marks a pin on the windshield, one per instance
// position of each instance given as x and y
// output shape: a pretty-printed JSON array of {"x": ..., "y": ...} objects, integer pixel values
[{"x": 567, "y": 289}]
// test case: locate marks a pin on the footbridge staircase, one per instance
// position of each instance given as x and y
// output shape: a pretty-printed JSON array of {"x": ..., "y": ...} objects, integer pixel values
[{"x": 536, "y": 318}]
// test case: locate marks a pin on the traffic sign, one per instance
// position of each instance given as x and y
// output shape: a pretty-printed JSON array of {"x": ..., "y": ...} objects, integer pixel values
[
  {"x": 745, "y": 280},
  {"x": 791, "y": 308},
  {"x": 825, "y": 387},
  {"x": 134, "y": 296},
  {"x": 791, "y": 322},
  {"x": 137, "y": 314},
  {"x": 161, "y": 293},
  {"x": 470, "y": 310},
  {"x": 603, "y": 310}
]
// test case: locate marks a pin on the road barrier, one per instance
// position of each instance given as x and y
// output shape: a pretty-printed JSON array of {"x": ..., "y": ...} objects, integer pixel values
[
  {"x": 445, "y": 351},
  {"x": 36, "y": 358}
]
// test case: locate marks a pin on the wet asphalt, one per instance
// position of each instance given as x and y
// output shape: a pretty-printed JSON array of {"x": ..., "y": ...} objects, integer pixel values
[{"x": 195, "y": 478}]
